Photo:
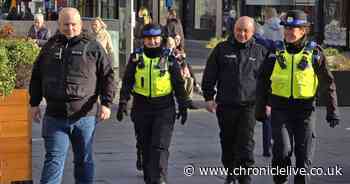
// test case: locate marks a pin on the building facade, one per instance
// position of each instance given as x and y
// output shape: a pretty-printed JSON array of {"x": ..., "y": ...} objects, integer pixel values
[
  {"x": 335, "y": 22},
  {"x": 204, "y": 19}
]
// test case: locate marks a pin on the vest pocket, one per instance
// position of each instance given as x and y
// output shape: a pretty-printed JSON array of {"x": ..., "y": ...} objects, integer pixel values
[
  {"x": 75, "y": 91},
  {"x": 162, "y": 86},
  {"x": 305, "y": 83},
  {"x": 279, "y": 85}
]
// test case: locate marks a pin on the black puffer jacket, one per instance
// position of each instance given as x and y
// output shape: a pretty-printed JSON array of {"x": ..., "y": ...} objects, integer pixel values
[
  {"x": 70, "y": 75},
  {"x": 232, "y": 68}
]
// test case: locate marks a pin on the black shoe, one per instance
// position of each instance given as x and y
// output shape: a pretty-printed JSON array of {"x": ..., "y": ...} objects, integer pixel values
[
  {"x": 230, "y": 180},
  {"x": 267, "y": 154},
  {"x": 139, "y": 161}
]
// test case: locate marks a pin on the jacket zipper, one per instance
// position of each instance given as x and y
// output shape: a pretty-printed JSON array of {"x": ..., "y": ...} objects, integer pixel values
[
  {"x": 150, "y": 79},
  {"x": 291, "y": 88}
]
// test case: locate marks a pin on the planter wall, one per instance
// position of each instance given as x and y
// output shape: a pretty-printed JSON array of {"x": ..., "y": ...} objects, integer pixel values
[
  {"x": 15, "y": 139},
  {"x": 343, "y": 89}
]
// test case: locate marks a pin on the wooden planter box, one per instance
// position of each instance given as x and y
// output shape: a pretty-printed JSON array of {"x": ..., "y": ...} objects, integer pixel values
[
  {"x": 343, "y": 89},
  {"x": 15, "y": 139}
]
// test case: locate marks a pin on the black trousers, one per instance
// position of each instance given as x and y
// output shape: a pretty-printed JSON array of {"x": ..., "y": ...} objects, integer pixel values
[
  {"x": 237, "y": 137},
  {"x": 293, "y": 129},
  {"x": 267, "y": 136},
  {"x": 154, "y": 130}
]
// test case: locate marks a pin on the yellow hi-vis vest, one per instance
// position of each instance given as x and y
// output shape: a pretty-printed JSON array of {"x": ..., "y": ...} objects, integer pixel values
[
  {"x": 149, "y": 81},
  {"x": 293, "y": 81}
]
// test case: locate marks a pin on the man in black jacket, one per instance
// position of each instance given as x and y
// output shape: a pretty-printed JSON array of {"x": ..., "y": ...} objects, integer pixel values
[
  {"x": 232, "y": 68},
  {"x": 71, "y": 73},
  {"x": 153, "y": 77}
]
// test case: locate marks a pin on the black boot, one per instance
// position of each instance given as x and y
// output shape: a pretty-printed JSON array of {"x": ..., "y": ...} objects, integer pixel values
[
  {"x": 245, "y": 179},
  {"x": 230, "y": 180},
  {"x": 139, "y": 161}
]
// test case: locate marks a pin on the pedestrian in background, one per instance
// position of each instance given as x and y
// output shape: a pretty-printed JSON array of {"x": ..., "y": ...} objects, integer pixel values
[
  {"x": 153, "y": 77},
  {"x": 191, "y": 84},
  {"x": 272, "y": 29},
  {"x": 230, "y": 22},
  {"x": 174, "y": 27},
  {"x": 71, "y": 72},
  {"x": 100, "y": 33},
  {"x": 230, "y": 76},
  {"x": 143, "y": 18},
  {"x": 288, "y": 83},
  {"x": 38, "y": 32}
]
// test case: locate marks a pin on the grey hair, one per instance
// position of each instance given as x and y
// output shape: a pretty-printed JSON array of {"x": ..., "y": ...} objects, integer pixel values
[
  {"x": 68, "y": 9},
  {"x": 270, "y": 12},
  {"x": 38, "y": 16},
  {"x": 103, "y": 24}
]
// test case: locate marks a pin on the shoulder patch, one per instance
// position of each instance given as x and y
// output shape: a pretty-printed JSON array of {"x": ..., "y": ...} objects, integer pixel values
[
  {"x": 272, "y": 56},
  {"x": 279, "y": 45},
  {"x": 138, "y": 50},
  {"x": 310, "y": 46},
  {"x": 165, "y": 52},
  {"x": 135, "y": 57}
]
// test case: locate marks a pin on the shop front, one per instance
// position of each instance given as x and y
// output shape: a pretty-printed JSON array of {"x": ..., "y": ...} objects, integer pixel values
[
  {"x": 200, "y": 19},
  {"x": 336, "y": 23},
  {"x": 50, "y": 8},
  {"x": 255, "y": 9}
]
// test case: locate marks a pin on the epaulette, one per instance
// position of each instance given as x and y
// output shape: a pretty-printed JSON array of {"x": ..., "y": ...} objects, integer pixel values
[
  {"x": 165, "y": 52},
  {"x": 136, "y": 55},
  {"x": 279, "y": 46},
  {"x": 280, "y": 49},
  {"x": 308, "y": 50},
  {"x": 138, "y": 50},
  {"x": 310, "y": 46}
]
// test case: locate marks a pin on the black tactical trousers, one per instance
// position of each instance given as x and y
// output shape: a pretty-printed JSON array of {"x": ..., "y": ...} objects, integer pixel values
[
  {"x": 236, "y": 136},
  {"x": 154, "y": 130},
  {"x": 293, "y": 129}
]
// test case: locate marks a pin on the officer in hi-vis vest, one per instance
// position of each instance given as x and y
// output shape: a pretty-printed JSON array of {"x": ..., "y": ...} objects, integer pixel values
[
  {"x": 289, "y": 82},
  {"x": 153, "y": 77}
]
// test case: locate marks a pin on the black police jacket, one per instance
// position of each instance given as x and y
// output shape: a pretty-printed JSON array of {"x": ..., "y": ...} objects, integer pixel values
[
  {"x": 70, "y": 75},
  {"x": 231, "y": 72},
  {"x": 148, "y": 104}
]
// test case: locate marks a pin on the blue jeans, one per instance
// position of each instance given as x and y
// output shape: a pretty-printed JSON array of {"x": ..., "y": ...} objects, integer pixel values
[{"x": 57, "y": 134}]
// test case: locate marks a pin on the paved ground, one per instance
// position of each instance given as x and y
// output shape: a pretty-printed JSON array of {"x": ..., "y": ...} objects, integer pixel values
[{"x": 195, "y": 143}]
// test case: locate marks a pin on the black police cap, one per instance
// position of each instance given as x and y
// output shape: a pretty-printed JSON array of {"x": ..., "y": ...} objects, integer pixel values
[
  {"x": 295, "y": 18},
  {"x": 150, "y": 30}
]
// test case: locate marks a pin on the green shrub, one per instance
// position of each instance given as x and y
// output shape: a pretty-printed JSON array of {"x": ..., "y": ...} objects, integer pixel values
[
  {"x": 330, "y": 51},
  {"x": 336, "y": 60},
  {"x": 214, "y": 41},
  {"x": 17, "y": 56},
  {"x": 7, "y": 73}
]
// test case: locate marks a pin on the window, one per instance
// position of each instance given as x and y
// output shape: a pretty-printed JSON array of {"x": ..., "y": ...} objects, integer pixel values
[
  {"x": 205, "y": 14},
  {"x": 335, "y": 21},
  {"x": 163, "y": 11},
  {"x": 109, "y": 9}
]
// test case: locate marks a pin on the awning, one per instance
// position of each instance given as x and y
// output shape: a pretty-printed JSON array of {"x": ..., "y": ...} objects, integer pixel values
[
  {"x": 13, "y": 3},
  {"x": 281, "y": 2}
]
